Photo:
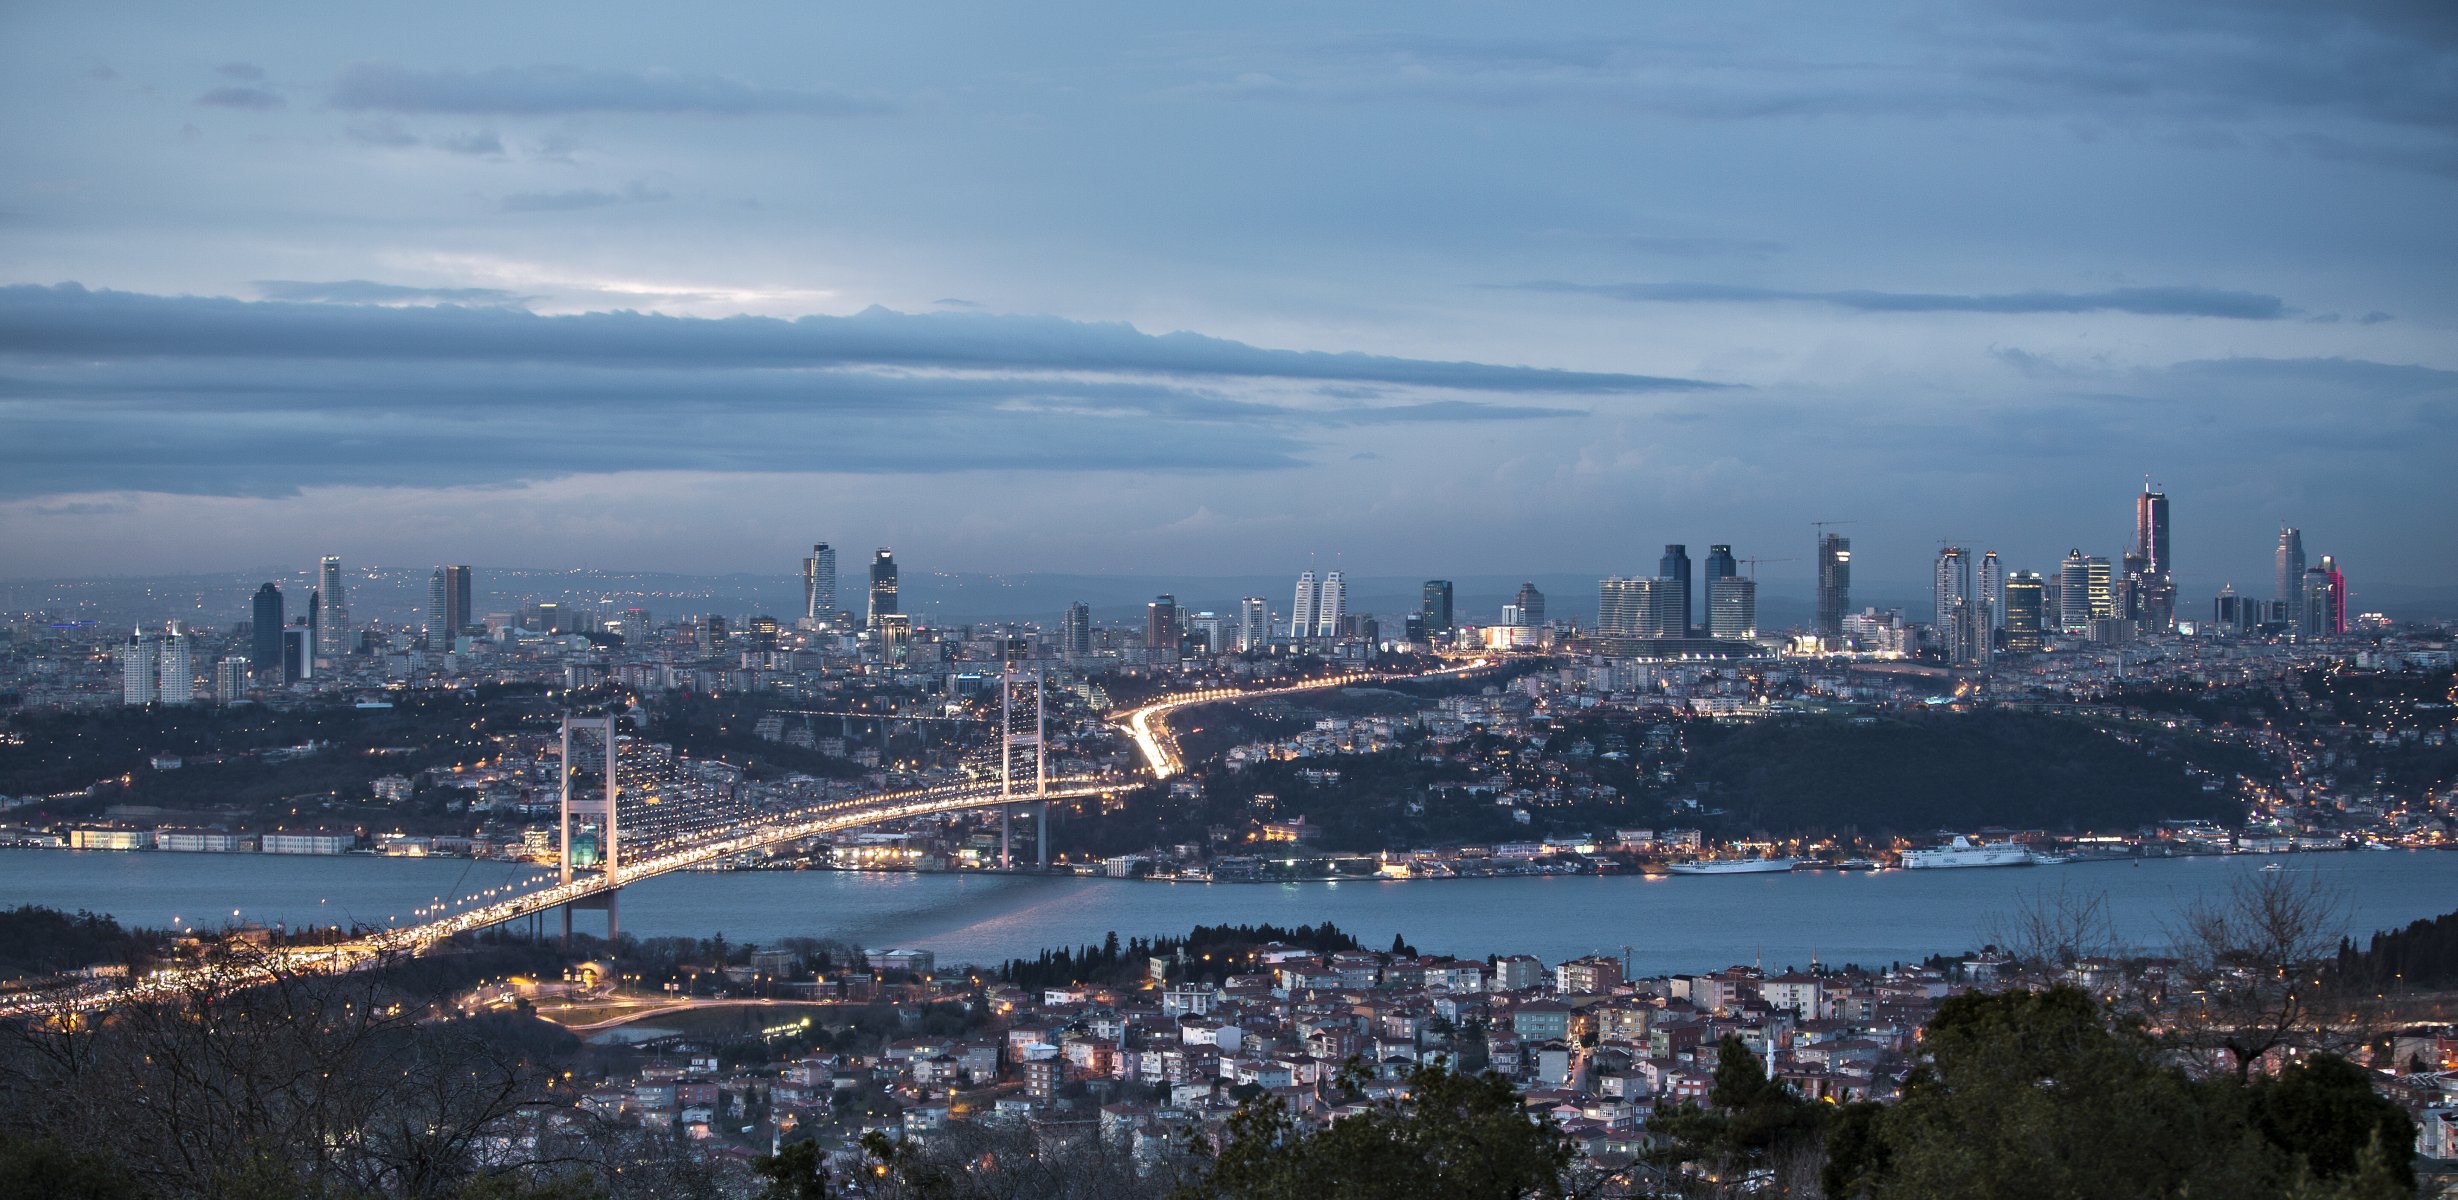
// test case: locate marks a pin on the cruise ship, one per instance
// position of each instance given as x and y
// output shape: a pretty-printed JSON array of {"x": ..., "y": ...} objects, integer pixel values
[
  {"x": 1732, "y": 866},
  {"x": 1964, "y": 852}
]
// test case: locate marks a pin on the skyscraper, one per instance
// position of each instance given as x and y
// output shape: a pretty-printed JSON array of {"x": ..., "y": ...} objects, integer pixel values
[
  {"x": 1301, "y": 608},
  {"x": 2074, "y": 594},
  {"x": 819, "y": 586},
  {"x": 1161, "y": 623},
  {"x": 2316, "y": 602},
  {"x": 1436, "y": 606},
  {"x": 140, "y": 670},
  {"x": 2026, "y": 605},
  {"x": 1834, "y": 584},
  {"x": 2290, "y": 567},
  {"x": 1956, "y": 603},
  {"x": 2101, "y": 587},
  {"x": 178, "y": 672},
  {"x": 1254, "y": 624},
  {"x": 1732, "y": 605},
  {"x": 1631, "y": 609},
  {"x": 1721, "y": 564},
  {"x": 332, "y": 610},
  {"x": 2156, "y": 585},
  {"x": 1531, "y": 606},
  {"x": 265, "y": 639},
  {"x": 1992, "y": 594},
  {"x": 447, "y": 605},
  {"x": 1331, "y": 607},
  {"x": 883, "y": 586},
  {"x": 1675, "y": 566},
  {"x": 1075, "y": 636}
]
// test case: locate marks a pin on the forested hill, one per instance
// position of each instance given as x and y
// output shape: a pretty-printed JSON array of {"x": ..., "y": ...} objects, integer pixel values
[
  {"x": 2424, "y": 954},
  {"x": 1916, "y": 774}
]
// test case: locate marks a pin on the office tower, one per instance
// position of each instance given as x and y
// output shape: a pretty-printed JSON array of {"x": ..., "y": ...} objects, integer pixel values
[
  {"x": 1075, "y": 636},
  {"x": 716, "y": 632},
  {"x": 2156, "y": 589},
  {"x": 2334, "y": 597},
  {"x": 1254, "y": 624},
  {"x": 1635, "y": 609},
  {"x": 265, "y": 639},
  {"x": 447, "y": 605},
  {"x": 2315, "y": 606},
  {"x": 1732, "y": 605},
  {"x": 1675, "y": 566},
  {"x": 1436, "y": 606},
  {"x": 332, "y": 610},
  {"x": 2026, "y": 611},
  {"x": 1161, "y": 623},
  {"x": 2074, "y": 594},
  {"x": 761, "y": 631},
  {"x": 178, "y": 678},
  {"x": 819, "y": 586},
  {"x": 230, "y": 678},
  {"x": 1531, "y": 605},
  {"x": 2100, "y": 587},
  {"x": 1721, "y": 564},
  {"x": 1331, "y": 607},
  {"x": 1301, "y": 608},
  {"x": 140, "y": 670},
  {"x": 1215, "y": 631},
  {"x": 1834, "y": 584},
  {"x": 298, "y": 653},
  {"x": 2290, "y": 575},
  {"x": 1992, "y": 594},
  {"x": 883, "y": 585}
]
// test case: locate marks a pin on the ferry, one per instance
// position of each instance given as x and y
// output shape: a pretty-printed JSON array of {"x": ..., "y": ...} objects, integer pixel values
[
  {"x": 1733, "y": 866},
  {"x": 1964, "y": 852}
]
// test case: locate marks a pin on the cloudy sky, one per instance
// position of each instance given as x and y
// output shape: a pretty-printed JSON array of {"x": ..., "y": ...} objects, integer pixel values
[{"x": 1421, "y": 288}]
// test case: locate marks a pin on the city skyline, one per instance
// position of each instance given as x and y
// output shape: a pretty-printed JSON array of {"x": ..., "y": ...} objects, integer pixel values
[{"x": 1179, "y": 292}]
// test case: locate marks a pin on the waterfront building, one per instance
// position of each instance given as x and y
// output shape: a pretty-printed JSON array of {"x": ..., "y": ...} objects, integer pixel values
[
  {"x": 1435, "y": 606},
  {"x": 2026, "y": 608},
  {"x": 883, "y": 586},
  {"x": 1732, "y": 606},
  {"x": 819, "y": 587},
  {"x": 265, "y": 634},
  {"x": 1834, "y": 584},
  {"x": 332, "y": 609}
]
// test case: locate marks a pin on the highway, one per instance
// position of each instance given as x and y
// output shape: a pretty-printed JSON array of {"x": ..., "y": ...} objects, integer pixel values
[{"x": 1146, "y": 727}]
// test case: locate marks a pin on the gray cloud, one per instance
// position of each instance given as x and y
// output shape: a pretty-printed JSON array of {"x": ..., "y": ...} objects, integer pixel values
[
  {"x": 552, "y": 90},
  {"x": 240, "y": 70},
  {"x": 575, "y": 199},
  {"x": 69, "y": 320},
  {"x": 482, "y": 144},
  {"x": 2146, "y": 301},
  {"x": 364, "y": 291},
  {"x": 256, "y": 99}
]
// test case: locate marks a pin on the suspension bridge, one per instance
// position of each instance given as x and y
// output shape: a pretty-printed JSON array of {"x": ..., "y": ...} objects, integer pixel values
[{"x": 643, "y": 818}]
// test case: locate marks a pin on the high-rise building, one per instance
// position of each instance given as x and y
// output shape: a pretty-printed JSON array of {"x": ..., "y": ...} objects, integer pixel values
[
  {"x": 1161, "y": 623},
  {"x": 2290, "y": 568},
  {"x": 1436, "y": 606},
  {"x": 2100, "y": 587},
  {"x": 178, "y": 672},
  {"x": 265, "y": 637},
  {"x": 2334, "y": 596},
  {"x": 1635, "y": 609},
  {"x": 1531, "y": 606},
  {"x": 2026, "y": 609},
  {"x": 298, "y": 653},
  {"x": 1331, "y": 607},
  {"x": 1834, "y": 584},
  {"x": 819, "y": 586},
  {"x": 2155, "y": 586},
  {"x": 332, "y": 610},
  {"x": 1721, "y": 564},
  {"x": 230, "y": 679},
  {"x": 1992, "y": 594},
  {"x": 1675, "y": 566},
  {"x": 1732, "y": 605},
  {"x": 1254, "y": 624},
  {"x": 447, "y": 605},
  {"x": 883, "y": 586},
  {"x": 2074, "y": 595},
  {"x": 2316, "y": 603},
  {"x": 1958, "y": 606},
  {"x": 140, "y": 670},
  {"x": 1301, "y": 608},
  {"x": 1075, "y": 636}
]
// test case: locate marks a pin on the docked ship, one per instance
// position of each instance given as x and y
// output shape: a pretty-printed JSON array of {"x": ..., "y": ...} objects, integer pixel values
[
  {"x": 1732, "y": 866},
  {"x": 1964, "y": 852}
]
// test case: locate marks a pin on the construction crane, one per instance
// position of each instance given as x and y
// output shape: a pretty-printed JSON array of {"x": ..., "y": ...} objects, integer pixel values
[{"x": 1753, "y": 563}]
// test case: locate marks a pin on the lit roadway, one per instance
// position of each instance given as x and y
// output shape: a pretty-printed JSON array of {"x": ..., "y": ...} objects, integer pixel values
[
  {"x": 1145, "y": 725},
  {"x": 1151, "y": 733}
]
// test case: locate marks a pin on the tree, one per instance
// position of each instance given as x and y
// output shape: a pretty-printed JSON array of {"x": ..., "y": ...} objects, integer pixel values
[
  {"x": 794, "y": 1172},
  {"x": 2254, "y": 954},
  {"x": 1752, "y": 1124},
  {"x": 44, "y": 1167},
  {"x": 1454, "y": 1135},
  {"x": 2048, "y": 932},
  {"x": 2325, "y": 1113}
]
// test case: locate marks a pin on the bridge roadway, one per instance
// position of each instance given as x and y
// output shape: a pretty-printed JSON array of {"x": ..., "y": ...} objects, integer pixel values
[{"x": 1145, "y": 725}]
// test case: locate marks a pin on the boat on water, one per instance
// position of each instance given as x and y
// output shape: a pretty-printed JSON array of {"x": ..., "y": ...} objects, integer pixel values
[
  {"x": 2274, "y": 866},
  {"x": 1964, "y": 852},
  {"x": 1733, "y": 866},
  {"x": 1857, "y": 864}
]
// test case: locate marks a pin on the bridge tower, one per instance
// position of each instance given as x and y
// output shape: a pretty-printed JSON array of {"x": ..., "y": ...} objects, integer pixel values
[
  {"x": 1014, "y": 736},
  {"x": 601, "y": 808}
]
